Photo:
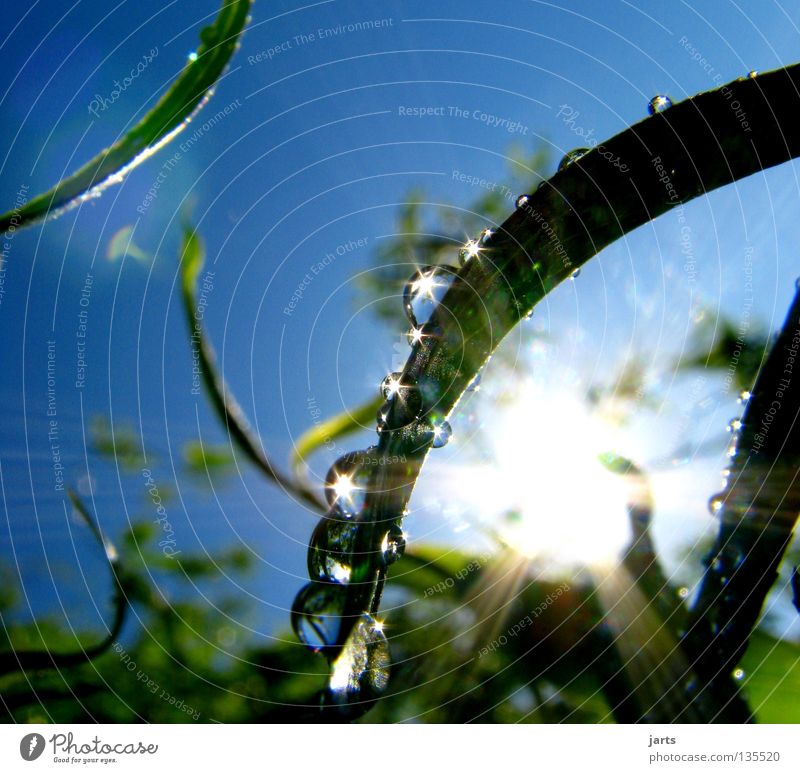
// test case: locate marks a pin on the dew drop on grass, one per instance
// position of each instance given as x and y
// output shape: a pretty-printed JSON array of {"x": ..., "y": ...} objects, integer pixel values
[
  {"x": 738, "y": 674},
  {"x": 734, "y": 425},
  {"x": 393, "y": 545},
  {"x": 317, "y": 614},
  {"x": 752, "y": 74},
  {"x": 424, "y": 291},
  {"x": 442, "y": 432},
  {"x": 522, "y": 201},
  {"x": 390, "y": 386},
  {"x": 571, "y": 157},
  {"x": 469, "y": 251},
  {"x": 415, "y": 336},
  {"x": 403, "y": 404},
  {"x": 658, "y": 104},
  {"x": 715, "y": 504},
  {"x": 575, "y": 274},
  {"x": 346, "y": 483},
  {"x": 360, "y": 674},
  {"x": 382, "y": 417},
  {"x": 331, "y": 548},
  {"x": 745, "y": 396}
]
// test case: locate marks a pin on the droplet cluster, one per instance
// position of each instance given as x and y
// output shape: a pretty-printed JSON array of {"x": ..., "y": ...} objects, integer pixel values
[{"x": 354, "y": 642}]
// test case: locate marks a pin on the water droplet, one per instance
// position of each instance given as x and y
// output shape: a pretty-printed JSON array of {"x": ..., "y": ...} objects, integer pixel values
[
  {"x": 522, "y": 201},
  {"x": 486, "y": 236},
  {"x": 571, "y": 157},
  {"x": 382, "y": 417},
  {"x": 738, "y": 674},
  {"x": 317, "y": 614},
  {"x": 683, "y": 592},
  {"x": 441, "y": 433},
  {"x": 575, "y": 274},
  {"x": 715, "y": 504},
  {"x": 402, "y": 407},
  {"x": 360, "y": 674},
  {"x": 390, "y": 386},
  {"x": 346, "y": 483},
  {"x": 393, "y": 545},
  {"x": 331, "y": 548},
  {"x": 658, "y": 104},
  {"x": 734, "y": 425},
  {"x": 193, "y": 56},
  {"x": 529, "y": 316},
  {"x": 415, "y": 336},
  {"x": 424, "y": 291},
  {"x": 752, "y": 74},
  {"x": 469, "y": 251}
]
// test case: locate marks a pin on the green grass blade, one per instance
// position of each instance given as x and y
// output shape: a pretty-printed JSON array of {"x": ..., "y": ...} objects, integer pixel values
[
  {"x": 164, "y": 121},
  {"x": 223, "y": 401},
  {"x": 35, "y": 660}
]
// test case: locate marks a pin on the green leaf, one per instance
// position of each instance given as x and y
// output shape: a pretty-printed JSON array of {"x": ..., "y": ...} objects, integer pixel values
[{"x": 164, "y": 121}]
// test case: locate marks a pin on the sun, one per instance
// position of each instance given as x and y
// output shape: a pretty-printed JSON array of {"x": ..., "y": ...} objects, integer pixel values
[{"x": 545, "y": 491}]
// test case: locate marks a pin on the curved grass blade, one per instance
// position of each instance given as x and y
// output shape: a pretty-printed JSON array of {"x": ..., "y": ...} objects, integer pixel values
[
  {"x": 164, "y": 121},
  {"x": 758, "y": 513},
  {"x": 33, "y": 660},
  {"x": 660, "y": 163},
  {"x": 225, "y": 404},
  {"x": 328, "y": 431}
]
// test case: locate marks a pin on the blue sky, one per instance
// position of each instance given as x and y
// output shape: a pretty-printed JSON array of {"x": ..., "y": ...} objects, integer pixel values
[{"x": 320, "y": 147}]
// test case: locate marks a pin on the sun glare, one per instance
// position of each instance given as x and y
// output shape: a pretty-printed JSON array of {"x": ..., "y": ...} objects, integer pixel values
[{"x": 567, "y": 509}]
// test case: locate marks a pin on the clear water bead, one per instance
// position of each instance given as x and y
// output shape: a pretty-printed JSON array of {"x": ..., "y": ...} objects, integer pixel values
[
  {"x": 346, "y": 483},
  {"x": 522, "y": 201},
  {"x": 734, "y": 425},
  {"x": 331, "y": 548},
  {"x": 441, "y": 433},
  {"x": 403, "y": 404},
  {"x": 393, "y": 545},
  {"x": 745, "y": 396},
  {"x": 571, "y": 157},
  {"x": 658, "y": 104},
  {"x": 415, "y": 336},
  {"x": 317, "y": 614},
  {"x": 469, "y": 251},
  {"x": 390, "y": 386},
  {"x": 382, "y": 417},
  {"x": 575, "y": 274},
  {"x": 360, "y": 674},
  {"x": 424, "y": 291}
]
